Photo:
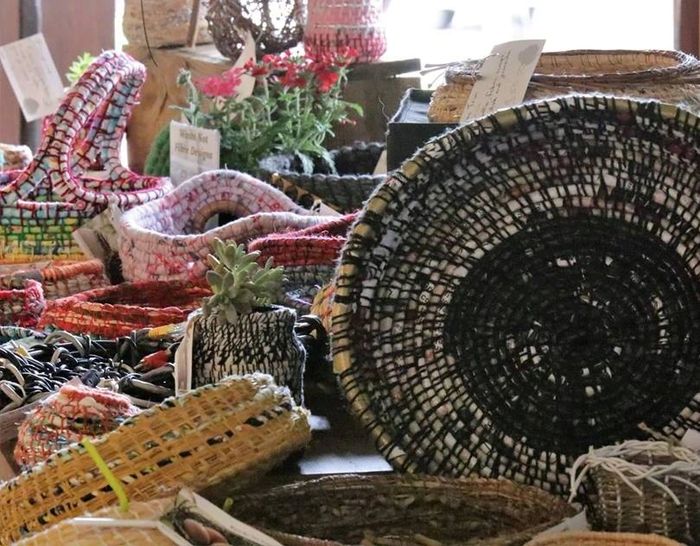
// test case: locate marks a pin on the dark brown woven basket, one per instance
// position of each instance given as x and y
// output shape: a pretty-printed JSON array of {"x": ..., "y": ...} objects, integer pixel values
[
  {"x": 406, "y": 510},
  {"x": 345, "y": 191},
  {"x": 276, "y": 25},
  {"x": 526, "y": 286}
]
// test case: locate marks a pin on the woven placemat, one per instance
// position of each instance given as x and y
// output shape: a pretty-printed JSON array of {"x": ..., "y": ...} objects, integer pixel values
[{"x": 526, "y": 287}]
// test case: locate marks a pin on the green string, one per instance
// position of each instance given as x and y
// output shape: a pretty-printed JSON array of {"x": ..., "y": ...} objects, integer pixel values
[{"x": 112, "y": 480}]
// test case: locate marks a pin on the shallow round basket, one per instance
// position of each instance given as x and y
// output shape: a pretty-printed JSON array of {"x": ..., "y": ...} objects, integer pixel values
[
  {"x": 413, "y": 510},
  {"x": 524, "y": 287},
  {"x": 60, "y": 279},
  {"x": 584, "y": 538},
  {"x": 669, "y": 76},
  {"x": 344, "y": 192}
]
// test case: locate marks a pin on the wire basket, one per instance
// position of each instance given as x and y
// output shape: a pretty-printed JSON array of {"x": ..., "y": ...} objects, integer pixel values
[
  {"x": 669, "y": 76},
  {"x": 236, "y": 429}
]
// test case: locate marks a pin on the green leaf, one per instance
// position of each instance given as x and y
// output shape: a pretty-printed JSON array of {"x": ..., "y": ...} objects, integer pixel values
[{"x": 215, "y": 280}]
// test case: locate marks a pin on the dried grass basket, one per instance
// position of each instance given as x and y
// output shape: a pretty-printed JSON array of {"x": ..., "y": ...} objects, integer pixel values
[
  {"x": 407, "y": 510},
  {"x": 592, "y": 538},
  {"x": 527, "y": 286},
  {"x": 167, "y": 238},
  {"x": 121, "y": 309},
  {"x": 345, "y": 191},
  {"x": 668, "y": 76},
  {"x": 641, "y": 486},
  {"x": 235, "y": 430}
]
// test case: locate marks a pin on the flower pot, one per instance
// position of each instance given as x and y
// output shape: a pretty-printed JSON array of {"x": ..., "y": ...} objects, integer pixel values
[{"x": 261, "y": 341}]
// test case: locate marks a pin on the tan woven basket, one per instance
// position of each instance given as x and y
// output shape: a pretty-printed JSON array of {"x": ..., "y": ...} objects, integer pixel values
[
  {"x": 668, "y": 76},
  {"x": 585, "y": 538},
  {"x": 236, "y": 429}
]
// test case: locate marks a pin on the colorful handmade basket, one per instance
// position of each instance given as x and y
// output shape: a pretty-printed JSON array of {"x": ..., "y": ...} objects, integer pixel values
[
  {"x": 60, "y": 279},
  {"x": 394, "y": 509},
  {"x": 525, "y": 287},
  {"x": 649, "y": 486},
  {"x": 166, "y": 239},
  {"x": 41, "y": 206},
  {"x": 22, "y": 305},
  {"x": 344, "y": 192},
  {"x": 121, "y": 309},
  {"x": 276, "y": 25},
  {"x": 352, "y": 23},
  {"x": 592, "y": 538},
  {"x": 669, "y": 76},
  {"x": 308, "y": 256},
  {"x": 236, "y": 429}
]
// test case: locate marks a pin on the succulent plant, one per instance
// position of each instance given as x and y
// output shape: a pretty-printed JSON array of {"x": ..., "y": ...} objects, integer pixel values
[{"x": 239, "y": 284}]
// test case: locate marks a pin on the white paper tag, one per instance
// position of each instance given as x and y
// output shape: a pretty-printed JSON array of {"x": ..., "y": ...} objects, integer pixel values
[
  {"x": 247, "y": 85},
  {"x": 691, "y": 440},
  {"x": 33, "y": 76},
  {"x": 193, "y": 150},
  {"x": 183, "y": 357},
  {"x": 380, "y": 167},
  {"x": 98, "y": 237},
  {"x": 503, "y": 78},
  {"x": 578, "y": 522}
]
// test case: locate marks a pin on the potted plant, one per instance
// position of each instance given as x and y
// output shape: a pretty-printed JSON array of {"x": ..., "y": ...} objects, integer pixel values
[{"x": 239, "y": 330}]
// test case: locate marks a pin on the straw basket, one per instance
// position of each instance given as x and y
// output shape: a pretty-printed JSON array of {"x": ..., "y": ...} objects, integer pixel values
[
  {"x": 167, "y": 239},
  {"x": 601, "y": 539},
  {"x": 650, "y": 486},
  {"x": 669, "y": 76},
  {"x": 119, "y": 310},
  {"x": 408, "y": 510},
  {"x": 526, "y": 286},
  {"x": 41, "y": 206},
  {"x": 236, "y": 429}
]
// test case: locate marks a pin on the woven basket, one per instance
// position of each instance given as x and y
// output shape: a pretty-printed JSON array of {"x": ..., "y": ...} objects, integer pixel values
[
  {"x": 353, "y": 23},
  {"x": 526, "y": 287},
  {"x": 601, "y": 539},
  {"x": 22, "y": 305},
  {"x": 641, "y": 486},
  {"x": 276, "y": 25},
  {"x": 308, "y": 257},
  {"x": 165, "y": 239},
  {"x": 669, "y": 76},
  {"x": 119, "y": 310},
  {"x": 13, "y": 157},
  {"x": 411, "y": 510},
  {"x": 60, "y": 279},
  {"x": 344, "y": 192},
  {"x": 236, "y": 429},
  {"x": 162, "y": 23},
  {"x": 42, "y": 205}
]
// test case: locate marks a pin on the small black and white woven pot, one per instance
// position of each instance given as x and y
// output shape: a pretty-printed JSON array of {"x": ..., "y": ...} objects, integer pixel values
[{"x": 262, "y": 341}]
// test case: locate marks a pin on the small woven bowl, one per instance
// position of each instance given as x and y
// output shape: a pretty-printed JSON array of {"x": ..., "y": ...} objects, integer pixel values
[{"x": 584, "y": 538}]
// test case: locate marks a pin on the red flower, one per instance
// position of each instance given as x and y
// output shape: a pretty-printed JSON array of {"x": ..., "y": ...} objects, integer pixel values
[
  {"x": 256, "y": 69},
  {"x": 326, "y": 79},
  {"x": 223, "y": 85},
  {"x": 345, "y": 56},
  {"x": 292, "y": 77}
]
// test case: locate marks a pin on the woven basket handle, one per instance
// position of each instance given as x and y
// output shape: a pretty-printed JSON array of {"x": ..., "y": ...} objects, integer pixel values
[{"x": 96, "y": 106}]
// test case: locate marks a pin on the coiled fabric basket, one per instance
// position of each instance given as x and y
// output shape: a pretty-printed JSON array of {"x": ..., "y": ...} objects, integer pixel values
[
  {"x": 61, "y": 279},
  {"x": 641, "y": 486},
  {"x": 119, "y": 310},
  {"x": 524, "y": 287},
  {"x": 237, "y": 429},
  {"x": 166, "y": 239},
  {"x": 584, "y": 538},
  {"x": 344, "y": 192},
  {"x": 23, "y": 305},
  {"x": 308, "y": 256},
  {"x": 668, "y": 76},
  {"x": 352, "y": 23},
  {"x": 412, "y": 510},
  {"x": 276, "y": 25},
  {"x": 41, "y": 206}
]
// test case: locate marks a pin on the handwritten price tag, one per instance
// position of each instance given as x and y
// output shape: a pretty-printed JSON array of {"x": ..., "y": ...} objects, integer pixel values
[{"x": 193, "y": 150}]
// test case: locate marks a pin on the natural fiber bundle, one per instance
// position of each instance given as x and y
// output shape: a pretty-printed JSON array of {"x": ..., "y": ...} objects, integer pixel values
[
  {"x": 276, "y": 25},
  {"x": 165, "y": 239},
  {"x": 322, "y": 306},
  {"x": 22, "y": 306},
  {"x": 526, "y": 286},
  {"x": 13, "y": 157},
  {"x": 669, "y": 76},
  {"x": 308, "y": 257},
  {"x": 330, "y": 27},
  {"x": 68, "y": 416},
  {"x": 407, "y": 510},
  {"x": 60, "y": 279},
  {"x": 583, "y": 538},
  {"x": 119, "y": 310},
  {"x": 41, "y": 206},
  {"x": 633, "y": 486},
  {"x": 236, "y": 429},
  {"x": 344, "y": 192}
]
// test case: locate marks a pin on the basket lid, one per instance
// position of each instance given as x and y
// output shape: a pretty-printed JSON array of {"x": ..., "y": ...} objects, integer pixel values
[{"x": 526, "y": 287}]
